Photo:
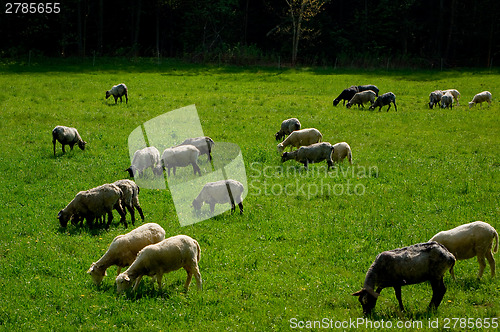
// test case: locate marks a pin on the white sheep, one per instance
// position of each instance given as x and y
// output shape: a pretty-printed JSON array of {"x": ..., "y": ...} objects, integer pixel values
[
  {"x": 204, "y": 144},
  {"x": 300, "y": 138},
  {"x": 435, "y": 98},
  {"x": 406, "y": 266},
  {"x": 220, "y": 192},
  {"x": 181, "y": 156},
  {"x": 123, "y": 249},
  {"x": 341, "y": 151},
  {"x": 454, "y": 93},
  {"x": 143, "y": 159},
  {"x": 287, "y": 127},
  {"x": 67, "y": 136},
  {"x": 130, "y": 197},
  {"x": 482, "y": 97},
  {"x": 92, "y": 204},
  {"x": 118, "y": 91},
  {"x": 313, "y": 153},
  {"x": 361, "y": 98},
  {"x": 171, "y": 254},
  {"x": 447, "y": 100},
  {"x": 470, "y": 240}
]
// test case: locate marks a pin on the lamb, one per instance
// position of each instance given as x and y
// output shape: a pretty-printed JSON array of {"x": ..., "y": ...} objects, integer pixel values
[
  {"x": 204, "y": 144},
  {"x": 435, "y": 98},
  {"x": 118, "y": 91},
  {"x": 300, "y": 138},
  {"x": 287, "y": 126},
  {"x": 92, "y": 204},
  {"x": 143, "y": 159},
  {"x": 383, "y": 100},
  {"x": 371, "y": 87},
  {"x": 156, "y": 259},
  {"x": 447, "y": 100},
  {"x": 469, "y": 240},
  {"x": 220, "y": 192},
  {"x": 482, "y": 97},
  {"x": 406, "y": 266},
  {"x": 123, "y": 250},
  {"x": 362, "y": 97},
  {"x": 454, "y": 93},
  {"x": 313, "y": 153},
  {"x": 130, "y": 197},
  {"x": 181, "y": 156},
  {"x": 346, "y": 94},
  {"x": 340, "y": 151},
  {"x": 67, "y": 136}
]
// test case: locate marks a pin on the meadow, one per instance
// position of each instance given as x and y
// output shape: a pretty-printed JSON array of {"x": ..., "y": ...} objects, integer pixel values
[{"x": 305, "y": 239}]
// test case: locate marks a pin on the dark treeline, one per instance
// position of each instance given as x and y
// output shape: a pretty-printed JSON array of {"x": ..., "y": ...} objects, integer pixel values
[{"x": 429, "y": 33}]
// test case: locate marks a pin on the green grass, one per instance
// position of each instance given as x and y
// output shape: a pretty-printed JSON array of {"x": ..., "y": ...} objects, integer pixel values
[{"x": 295, "y": 254}]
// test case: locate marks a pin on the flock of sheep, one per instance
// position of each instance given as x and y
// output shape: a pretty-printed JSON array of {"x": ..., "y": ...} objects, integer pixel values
[{"x": 146, "y": 251}]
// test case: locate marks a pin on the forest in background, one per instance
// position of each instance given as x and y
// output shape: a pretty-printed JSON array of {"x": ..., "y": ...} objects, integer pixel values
[{"x": 424, "y": 33}]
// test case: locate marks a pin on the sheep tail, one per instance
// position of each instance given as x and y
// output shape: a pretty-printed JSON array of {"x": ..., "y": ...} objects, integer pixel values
[
  {"x": 349, "y": 156},
  {"x": 198, "y": 255},
  {"x": 496, "y": 244}
]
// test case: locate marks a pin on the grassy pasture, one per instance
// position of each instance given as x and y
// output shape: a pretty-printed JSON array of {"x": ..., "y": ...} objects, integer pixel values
[{"x": 305, "y": 240}]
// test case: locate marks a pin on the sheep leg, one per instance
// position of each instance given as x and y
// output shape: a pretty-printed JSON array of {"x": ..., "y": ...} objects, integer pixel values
[
  {"x": 71, "y": 146},
  {"x": 491, "y": 261},
  {"x": 389, "y": 107},
  {"x": 116, "y": 98},
  {"x": 482, "y": 265},
  {"x": 395, "y": 107},
  {"x": 54, "y": 142},
  {"x": 438, "y": 291},
  {"x": 63, "y": 149},
  {"x": 197, "y": 276},
  {"x": 212, "y": 207},
  {"x": 452, "y": 273},
  {"x": 196, "y": 168},
  {"x": 122, "y": 214},
  {"x": 110, "y": 218},
  {"x": 240, "y": 205},
  {"x": 130, "y": 209},
  {"x": 126, "y": 98},
  {"x": 137, "y": 206},
  {"x": 188, "y": 279},
  {"x": 397, "y": 290},
  {"x": 137, "y": 281},
  {"x": 159, "y": 276}
]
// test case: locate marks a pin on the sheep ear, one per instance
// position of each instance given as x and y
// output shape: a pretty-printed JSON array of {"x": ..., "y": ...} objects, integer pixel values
[
  {"x": 373, "y": 293},
  {"x": 359, "y": 293}
]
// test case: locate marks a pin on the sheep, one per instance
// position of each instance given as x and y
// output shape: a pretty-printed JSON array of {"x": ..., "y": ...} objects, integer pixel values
[
  {"x": 371, "y": 87},
  {"x": 118, "y": 91},
  {"x": 435, "y": 98},
  {"x": 220, "y": 192},
  {"x": 447, "y": 100},
  {"x": 454, "y": 93},
  {"x": 67, "y": 136},
  {"x": 92, "y": 204},
  {"x": 383, "y": 100},
  {"x": 181, "y": 156},
  {"x": 346, "y": 94},
  {"x": 406, "y": 266},
  {"x": 130, "y": 197},
  {"x": 143, "y": 159},
  {"x": 300, "y": 138},
  {"x": 204, "y": 144},
  {"x": 124, "y": 248},
  {"x": 156, "y": 259},
  {"x": 362, "y": 97},
  {"x": 287, "y": 126},
  {"x": 313, "y": 153},
  {"x": 469, "y": 240},
  {"x": 484, "y": 96},
  {"x": 340, "y": 151}
]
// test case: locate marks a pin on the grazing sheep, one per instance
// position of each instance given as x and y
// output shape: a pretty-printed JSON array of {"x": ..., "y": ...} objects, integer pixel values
[
  {"x": 362, "y": 97},
  {"x": 220, "y": 192},
  {"x": 454, "y": 93},
  {"x": 287, "y": 127},
  {"x": 469, "y": 240},
  {"x": 371, "y": 87},
  {"x": 313, "y": 153},
  {"x": 92, "y": 204},
  {"x": 204, "y": 144},
  {"x": 300, "y": 138},
  {"x": 482, "y": 97},
  {"x": 340, "y": 151},
  {"x": 383, "y": 100},
  {"x": 67, "y": 136},
  {"x": 346, "y": 94},
  {"x": 130, "y": 197},
  {"x": 124, "y": 248},
  {"x": 435, "y": 98},
  {"x": 181, "y": 156},
  {"x": 143, "y": 159},
  {"x": 117, "y": 92},
  {"x": 406, "y": 266},
  {"x": 156, "y": 259},
  {"x": 447, "y": 100}
]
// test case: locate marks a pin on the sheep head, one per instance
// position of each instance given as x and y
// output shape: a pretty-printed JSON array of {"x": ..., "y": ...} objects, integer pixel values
[
  {"x": 280, "y": 148},
  {"x": 279, "y": 135},
  {"x": 123, "y": 283},
  {"x": 81, "y": 145},
  {"x": 63, "y": 218},
  {"x": 197, "y": 204},
  {"x": 367, "y": 298},
  {"x": 97, "y": 273},
  {"x": 131, "y": 170},
  {"x": 108, "y": 94}
]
